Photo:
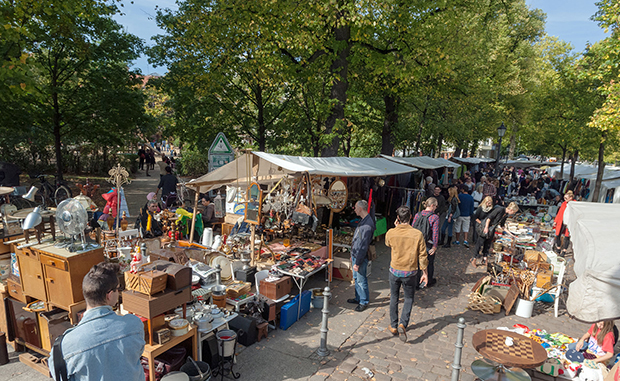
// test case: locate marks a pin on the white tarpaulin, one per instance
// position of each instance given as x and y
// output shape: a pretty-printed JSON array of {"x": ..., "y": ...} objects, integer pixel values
[
  {"x": 594, "y": 228},
  {"x": 605, "y": 186},
  {"x": 270, "y": 168},
  {"x": 472, "y": 160},
  {"x": 423, "y": 162},
  {"x": 580, "y": 169}
]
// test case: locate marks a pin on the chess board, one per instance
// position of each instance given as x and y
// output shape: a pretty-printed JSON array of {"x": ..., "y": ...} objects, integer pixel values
[
  {"x": 496, "y": 344},
  {"x": 524, "y": 353}
]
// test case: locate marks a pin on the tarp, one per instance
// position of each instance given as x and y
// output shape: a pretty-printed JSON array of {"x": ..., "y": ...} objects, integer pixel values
[
  {"x": 594, "y": 227},
  {"x": 521, "y": 163},
  {"x": 580, "y": 169},
  {"x": 270, "y": 168},
  {"x": 472, "y": 160},
  {"x": 423, "y": 162},
  {"x": 605, "y": 186}
]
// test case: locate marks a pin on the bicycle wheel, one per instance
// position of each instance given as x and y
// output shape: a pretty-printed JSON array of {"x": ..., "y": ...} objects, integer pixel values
[{"x": 62, "y": 193}]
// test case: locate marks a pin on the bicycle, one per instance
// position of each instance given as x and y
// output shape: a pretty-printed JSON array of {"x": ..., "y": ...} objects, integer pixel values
[
  {"x": 56, "y": 192},
  {"x": 182, "y": 193}
]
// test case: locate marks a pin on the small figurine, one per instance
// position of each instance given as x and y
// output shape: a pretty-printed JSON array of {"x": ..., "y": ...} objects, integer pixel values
[{"x": 136, "y": 260}]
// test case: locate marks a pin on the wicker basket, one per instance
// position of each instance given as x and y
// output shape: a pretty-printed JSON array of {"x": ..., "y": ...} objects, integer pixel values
[
  {"x": 146, "y": 282},
  {"x": 486, "y": 304}
]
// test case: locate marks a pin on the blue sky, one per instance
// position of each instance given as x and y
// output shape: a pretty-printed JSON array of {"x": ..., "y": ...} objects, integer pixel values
[{"x": 567, "y": 19}]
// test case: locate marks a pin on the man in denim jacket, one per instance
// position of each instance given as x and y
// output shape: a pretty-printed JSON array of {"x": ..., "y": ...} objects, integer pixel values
[
  {"x": 104, "y": 345},
  {"x": 359, "y": 255}
]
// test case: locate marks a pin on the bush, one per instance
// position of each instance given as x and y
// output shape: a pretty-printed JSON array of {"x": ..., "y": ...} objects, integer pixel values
[{"x": 193, "y": 163}]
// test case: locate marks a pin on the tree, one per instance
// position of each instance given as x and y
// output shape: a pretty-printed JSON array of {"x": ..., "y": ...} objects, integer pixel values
[{"x": 81, "y": 89}]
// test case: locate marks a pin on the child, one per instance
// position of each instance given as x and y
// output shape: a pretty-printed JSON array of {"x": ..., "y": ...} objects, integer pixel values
[{"x": 598, "y": 346}]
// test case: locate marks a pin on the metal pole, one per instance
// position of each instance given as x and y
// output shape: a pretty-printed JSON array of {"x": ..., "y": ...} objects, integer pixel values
[
  {"x": 456, "y": 365},
  {"x": 499, "y": 149},
  {"x": 323, "y": 351}
]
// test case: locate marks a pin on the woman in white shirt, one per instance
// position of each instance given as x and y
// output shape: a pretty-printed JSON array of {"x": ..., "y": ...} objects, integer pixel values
[{"x": 477, "y": 195}]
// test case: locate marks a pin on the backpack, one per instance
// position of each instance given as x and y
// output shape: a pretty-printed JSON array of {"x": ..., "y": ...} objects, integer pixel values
[{"x": 423, "y": 224}]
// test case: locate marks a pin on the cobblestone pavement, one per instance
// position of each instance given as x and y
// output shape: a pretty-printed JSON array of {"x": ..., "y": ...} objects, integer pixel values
[{"x": 429, "y": 352}]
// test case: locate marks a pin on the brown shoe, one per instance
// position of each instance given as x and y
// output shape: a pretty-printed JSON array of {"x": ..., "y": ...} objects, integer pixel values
[
  {"x": 402, "y": 333},
  {"x": 393, "y": 331}
]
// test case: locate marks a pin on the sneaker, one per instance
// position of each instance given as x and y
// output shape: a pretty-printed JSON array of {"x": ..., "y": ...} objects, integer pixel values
[
  {"x": 353, "y": 301},
  {"x": 466, "y": 244},
  {"x": 456, "y": 242},
  {"x": 402, "y": 333},
  {"x": 361, "y": 307}
]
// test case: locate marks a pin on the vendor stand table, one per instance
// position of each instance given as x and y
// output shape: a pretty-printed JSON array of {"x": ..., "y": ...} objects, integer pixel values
[
  {"x": 300, "y": 281},
  {"x": 152, "y": 351},
  {"x": 524, "y": 353},
  {"x": 203, "y": 335}
]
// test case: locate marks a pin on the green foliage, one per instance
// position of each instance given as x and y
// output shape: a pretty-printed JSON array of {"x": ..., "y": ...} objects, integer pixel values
[{"x": 194, "y": 162}]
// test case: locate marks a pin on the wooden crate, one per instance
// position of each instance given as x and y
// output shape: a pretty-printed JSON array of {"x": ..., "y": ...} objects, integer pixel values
[
  {"x": 151, "y": 306},
  {"x": 275, "y": 290},
  {"x": 146, "y": 282}
]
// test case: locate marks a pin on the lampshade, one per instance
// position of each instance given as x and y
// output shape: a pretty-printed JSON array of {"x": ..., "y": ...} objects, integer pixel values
[
  {"x": 33, "y": 218},
  {"x": 31, "y": 192},
  {"x": 501, "y": 130}
]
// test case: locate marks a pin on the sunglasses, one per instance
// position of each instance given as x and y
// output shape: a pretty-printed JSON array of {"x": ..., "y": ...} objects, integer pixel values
[{"x": 117, "y": 288}]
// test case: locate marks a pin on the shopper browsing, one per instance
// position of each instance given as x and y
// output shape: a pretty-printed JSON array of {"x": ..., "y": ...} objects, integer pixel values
[
  {"x": 408, "y": 258},
  {"x": 104, "y": 345},
  {"x": 359, "y": 255}
]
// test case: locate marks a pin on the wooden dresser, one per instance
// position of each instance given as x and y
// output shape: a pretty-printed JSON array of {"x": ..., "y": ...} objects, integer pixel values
[{"x": 54, "y": 274}]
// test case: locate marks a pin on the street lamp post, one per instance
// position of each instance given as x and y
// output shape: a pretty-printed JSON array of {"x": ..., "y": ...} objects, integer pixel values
[{"x": 501, "y": 131}]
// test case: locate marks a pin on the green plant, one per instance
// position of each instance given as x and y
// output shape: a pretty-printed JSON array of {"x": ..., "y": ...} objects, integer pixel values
[{"x": 193, "y": 163}]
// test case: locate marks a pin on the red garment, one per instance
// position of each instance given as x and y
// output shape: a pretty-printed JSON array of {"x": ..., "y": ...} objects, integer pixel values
[
  {"x": 594, "y": 346},
  {"x": 559, "y": 218}
]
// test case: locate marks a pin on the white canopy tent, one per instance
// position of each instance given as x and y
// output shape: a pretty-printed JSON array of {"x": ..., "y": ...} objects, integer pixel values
[
  {"x": 605, "y": 186},
  {"x": 580, "y": 169},
  {"x": 472, "y": 160},
  {"x": 595, "y": 294},
  {"x": 422, "y": 162},
  {"x": 266, "y": 167}
]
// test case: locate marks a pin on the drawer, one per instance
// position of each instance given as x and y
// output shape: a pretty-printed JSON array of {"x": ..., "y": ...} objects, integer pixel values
[
  {"x": 15, "y": 290},
  {"x": 28, "y": 253},
  {"x": 60, "y": 264}
]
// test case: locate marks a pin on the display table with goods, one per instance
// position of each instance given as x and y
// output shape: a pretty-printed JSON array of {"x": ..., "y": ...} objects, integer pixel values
[{"x": 538, "y": 350}]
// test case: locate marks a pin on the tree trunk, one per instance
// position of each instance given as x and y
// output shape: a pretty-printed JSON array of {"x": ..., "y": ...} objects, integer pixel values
[
  {"x": 563, "y": 160},
  {"x": 338, "y": 93},
  {"x": 419, "y": 138},
  {"x": 258, "y": 92},
  {"x": 601, "y": 169},
  {"x": 572, "y": 165},
  {"x": 389, "y": 123},
  {"x": 439, "y": 144},
  {"x": 56, "y": 122},
  {"x": 458, "y": 151},
  {"x": 513, "y": 143}
]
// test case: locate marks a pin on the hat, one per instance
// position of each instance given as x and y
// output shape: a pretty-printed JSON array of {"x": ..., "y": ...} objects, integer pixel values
[{"x": 150, "y": 196}]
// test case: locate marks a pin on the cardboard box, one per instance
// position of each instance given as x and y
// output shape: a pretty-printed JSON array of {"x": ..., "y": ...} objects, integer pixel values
[
  {"x": 343, "y": 269},
  {"x": 151, "y": 306}
]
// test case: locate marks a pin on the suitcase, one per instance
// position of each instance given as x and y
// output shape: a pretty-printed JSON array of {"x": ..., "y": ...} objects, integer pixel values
[
  {"x": 179, "y": 276},
  {"x": 275, "y": 290},
  {"x": 288, "y": 313}
]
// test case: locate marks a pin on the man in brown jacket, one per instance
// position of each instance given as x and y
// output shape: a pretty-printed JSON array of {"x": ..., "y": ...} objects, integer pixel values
[{"x": 408, "y": 258}]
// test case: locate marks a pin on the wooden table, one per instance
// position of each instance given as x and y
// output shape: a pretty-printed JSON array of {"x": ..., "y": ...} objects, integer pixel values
[
  {"x": 525, "y": 353},
  {"x": 152, "y": 351}
]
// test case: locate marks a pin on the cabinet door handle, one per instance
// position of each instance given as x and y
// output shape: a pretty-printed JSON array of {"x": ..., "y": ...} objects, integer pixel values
[
  {"x": 54, "y": 264},
  {"x": 14, "y": 291},
  {"x": 51, "y": 280},
  {"x": 39, "y": 276}
]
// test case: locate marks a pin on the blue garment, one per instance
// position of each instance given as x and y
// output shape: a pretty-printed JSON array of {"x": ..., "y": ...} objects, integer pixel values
[
  {"x": 361, "y": 240},
  {"x": 467, "y": 205},
  {"x": 447, "y": 226},
  {"x": 103, "y": 346},
  {"x": 362, "y": 293}
]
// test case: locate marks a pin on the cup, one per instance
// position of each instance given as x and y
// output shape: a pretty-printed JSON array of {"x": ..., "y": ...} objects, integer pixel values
[{"x": 509, "y": 341}]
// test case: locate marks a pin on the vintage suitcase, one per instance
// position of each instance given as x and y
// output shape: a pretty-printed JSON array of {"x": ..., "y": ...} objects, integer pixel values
[
  {"x": 23, "y": 324},
  {"x": 275, "y": 290},
  {"x": 151, "y": 306},
  {"x": 53, "y": 324},
  {"x": 179, "y": 276}
]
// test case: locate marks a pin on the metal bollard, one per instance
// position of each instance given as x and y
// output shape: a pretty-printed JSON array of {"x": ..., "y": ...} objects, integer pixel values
[
  {"x": 323, "y": 351},
  {"x": 456, "y": 365}
]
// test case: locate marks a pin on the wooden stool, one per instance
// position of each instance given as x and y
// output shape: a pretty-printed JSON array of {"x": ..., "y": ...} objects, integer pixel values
[
  {"x": 41, "y": 229},
  {"x": 263, "y": 329}
]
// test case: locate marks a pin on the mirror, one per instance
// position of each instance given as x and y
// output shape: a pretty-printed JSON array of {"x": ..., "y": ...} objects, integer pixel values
[
  {"x": 338, "y": 194},
  {"x": 253, "y": 208}
]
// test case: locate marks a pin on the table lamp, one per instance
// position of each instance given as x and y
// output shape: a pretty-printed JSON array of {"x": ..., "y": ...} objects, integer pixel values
[{"x": 33, "y": 218}]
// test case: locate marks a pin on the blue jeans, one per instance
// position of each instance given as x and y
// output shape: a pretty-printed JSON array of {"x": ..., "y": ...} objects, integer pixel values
[
  {"x": 361, "y": 282},
  {"x": 447, "y": 225}
]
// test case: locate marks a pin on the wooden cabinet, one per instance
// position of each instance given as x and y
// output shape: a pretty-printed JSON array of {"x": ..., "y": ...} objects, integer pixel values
[{"x": 54, "y": 274}]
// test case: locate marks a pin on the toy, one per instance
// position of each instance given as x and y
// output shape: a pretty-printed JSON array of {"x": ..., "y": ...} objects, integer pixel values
[{"x": 136, "y": 260}]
